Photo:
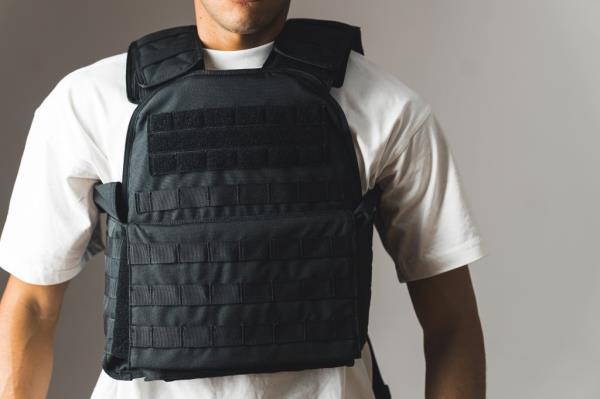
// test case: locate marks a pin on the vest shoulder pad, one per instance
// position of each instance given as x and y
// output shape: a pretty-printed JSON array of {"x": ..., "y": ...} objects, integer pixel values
[
  {"x": 320, "y": 43},
  {"x": 159, "y": 57},
  {"x": 323, "y": 46}
]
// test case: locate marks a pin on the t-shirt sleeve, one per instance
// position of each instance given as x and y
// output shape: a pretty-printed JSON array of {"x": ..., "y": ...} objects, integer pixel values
[
  {"x": 51, "y": 225},
  {"x": 424, "y": 221}
]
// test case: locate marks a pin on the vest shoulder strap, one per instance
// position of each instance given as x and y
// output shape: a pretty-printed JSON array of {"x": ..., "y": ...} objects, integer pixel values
[
  {"x": 159, "y": 57},
  {"x": 319, "y": 47}
]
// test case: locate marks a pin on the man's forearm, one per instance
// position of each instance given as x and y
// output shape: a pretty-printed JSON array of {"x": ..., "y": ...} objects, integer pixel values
[
  {"x": 26, "y": 341},
  {"x": 455, "y": 365}
]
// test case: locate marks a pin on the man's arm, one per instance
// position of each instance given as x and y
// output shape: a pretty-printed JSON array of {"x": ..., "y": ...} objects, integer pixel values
[
  {"x": 453, "y": 341},
  {"x": 28, "y": 318}
]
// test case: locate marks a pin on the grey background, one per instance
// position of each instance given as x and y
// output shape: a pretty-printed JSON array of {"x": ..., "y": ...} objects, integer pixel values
[{"x": 516, "y": 85}]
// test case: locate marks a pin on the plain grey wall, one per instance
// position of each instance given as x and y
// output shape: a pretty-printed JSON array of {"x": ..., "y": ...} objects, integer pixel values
[{"x": 516, "y": 85}]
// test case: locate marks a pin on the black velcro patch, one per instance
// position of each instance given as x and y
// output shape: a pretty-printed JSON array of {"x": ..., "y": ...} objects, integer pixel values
[
  {"x": 249, "y": 115},
  {"x": 188, "y": 120},
  {"x": 219, "y": 116}
]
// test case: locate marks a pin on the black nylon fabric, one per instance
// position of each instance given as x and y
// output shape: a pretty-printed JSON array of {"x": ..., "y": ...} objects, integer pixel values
[
  {"x": 116, "y": 297},
  {"x": 239, "y": 240}
]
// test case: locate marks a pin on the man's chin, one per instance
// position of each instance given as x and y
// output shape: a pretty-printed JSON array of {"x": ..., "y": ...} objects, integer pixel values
[
  {"x": 246, "y": 2},
  {"x": 247, "y": 23}
]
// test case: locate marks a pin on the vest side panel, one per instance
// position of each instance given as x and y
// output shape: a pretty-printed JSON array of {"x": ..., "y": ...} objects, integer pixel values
[{"x": 116, "y": 302}]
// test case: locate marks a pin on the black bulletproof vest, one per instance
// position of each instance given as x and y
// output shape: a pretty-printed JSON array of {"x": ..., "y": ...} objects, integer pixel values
[{"x": 239, "y": 240}]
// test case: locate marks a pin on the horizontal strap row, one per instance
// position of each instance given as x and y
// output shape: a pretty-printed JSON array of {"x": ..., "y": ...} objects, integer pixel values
[
  {"x": 240, "y": 250},
  {"x": 240, "y": 158},
  {"x": 109, "y": 326},
  {"x": 113, "y": 248},
  {"x": 110, "y": 306},
  {"x": 112, "y": 265},
  {"x": 239, "y": 194},
  {"x": 227, "y": 137},
  {"x": 110, "y": 286},
  {"x": 241, "y": 335},
  {"x": 240, "y": 293},
  {"x": 296, "y": 114}
]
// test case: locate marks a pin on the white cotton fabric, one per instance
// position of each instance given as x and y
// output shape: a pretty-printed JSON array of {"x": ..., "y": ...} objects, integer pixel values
[{"x": 77, "y": 138}]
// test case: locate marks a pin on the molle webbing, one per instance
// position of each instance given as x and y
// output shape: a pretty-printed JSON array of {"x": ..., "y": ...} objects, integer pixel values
[
  {"x": 239, "y": 194},
  {"x": 239, "y": 251},
  {"x": 244, "y": 334},
  {"x": 239, "y": 293},
  {"x": 115, "y": 302}
]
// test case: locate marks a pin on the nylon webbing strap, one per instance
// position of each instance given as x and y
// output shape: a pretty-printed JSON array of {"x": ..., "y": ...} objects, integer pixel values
[
  {"x": 110, "y": 286},
  {"x": 106, "y": 197},
  {"x": 111, "y": 266},
  {"x": 241, "y": 335},
  {"x": 109, "y": 325},
  {"x": 239, "y": 194},
  {"x": 380, "y": 389},
  {"x": 244, "y": 292},
  {"x": 113, "y": 247},
  {"x": 110, "y": 306},
  {"x": 240, "y": 250}
]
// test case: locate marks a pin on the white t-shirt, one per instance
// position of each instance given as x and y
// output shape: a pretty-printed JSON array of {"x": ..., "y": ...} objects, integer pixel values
[{"x": 77, "y": 138}]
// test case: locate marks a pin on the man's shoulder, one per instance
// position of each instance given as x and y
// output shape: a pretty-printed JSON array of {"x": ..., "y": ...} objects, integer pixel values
[
  {"x": 380, "y": 99},
  {"x": 361, "y": 70},
  {"x": 106, "y": 75},
  {"x": 100, "y": 83},
  {"x": 109, "y": 70}
]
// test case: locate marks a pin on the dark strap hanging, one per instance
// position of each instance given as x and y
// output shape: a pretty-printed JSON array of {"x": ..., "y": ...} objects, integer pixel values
[
  {"x": 107, "y": 197},
  {"x": 380, "y": 389},
  {"x": 320, "y": 48}
]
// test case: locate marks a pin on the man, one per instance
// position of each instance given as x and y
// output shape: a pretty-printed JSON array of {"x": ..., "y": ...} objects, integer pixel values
[{"x": 78, "y": 137}]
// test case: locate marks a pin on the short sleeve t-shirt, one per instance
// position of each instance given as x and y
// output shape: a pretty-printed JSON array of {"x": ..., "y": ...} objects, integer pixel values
[{"x": 77, "y": 138}]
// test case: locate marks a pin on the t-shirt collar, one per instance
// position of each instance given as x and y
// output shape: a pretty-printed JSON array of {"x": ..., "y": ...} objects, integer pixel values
[{"x": 253, "y": 57}]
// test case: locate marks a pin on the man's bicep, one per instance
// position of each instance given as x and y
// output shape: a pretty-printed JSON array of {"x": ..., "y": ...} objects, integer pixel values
[
  {"x": 43, "y": 301},
  {"x": 445, "y": 302}
]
